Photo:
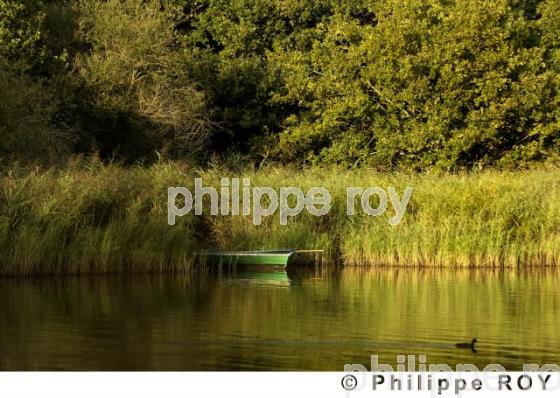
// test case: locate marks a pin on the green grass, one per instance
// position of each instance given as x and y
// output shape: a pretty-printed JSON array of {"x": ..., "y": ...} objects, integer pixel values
[
  {"x": 94, "y": 218},
  {"x": 99, "y": 219}
]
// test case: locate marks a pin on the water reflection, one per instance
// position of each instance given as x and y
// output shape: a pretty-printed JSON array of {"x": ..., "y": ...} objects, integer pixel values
[{"x": 311, "y": 319}]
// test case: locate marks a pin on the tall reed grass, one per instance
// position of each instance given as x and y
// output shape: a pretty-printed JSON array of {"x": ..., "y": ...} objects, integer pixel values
[{"x": 94, "y": 218}]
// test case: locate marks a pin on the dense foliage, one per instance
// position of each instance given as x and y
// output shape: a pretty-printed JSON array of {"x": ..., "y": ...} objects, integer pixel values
[{"x": 388, "y": 83}]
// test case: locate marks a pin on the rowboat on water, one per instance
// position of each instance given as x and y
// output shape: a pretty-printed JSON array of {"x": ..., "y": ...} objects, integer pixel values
[{"x": 275, "y": 258}]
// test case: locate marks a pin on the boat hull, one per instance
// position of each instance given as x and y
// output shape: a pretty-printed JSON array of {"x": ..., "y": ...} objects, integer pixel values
[{"x": 277, "y": 259}]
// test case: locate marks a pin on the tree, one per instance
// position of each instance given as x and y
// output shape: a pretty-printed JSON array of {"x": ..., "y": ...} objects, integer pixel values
[
  {"x": 136, "y": 79},
  {"x": 437, "y": 83}
]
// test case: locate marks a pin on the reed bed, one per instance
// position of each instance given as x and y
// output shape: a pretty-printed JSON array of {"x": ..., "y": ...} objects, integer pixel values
[
  {"x": 94, "y": 218},
  {"x": 490, "y": 218}
]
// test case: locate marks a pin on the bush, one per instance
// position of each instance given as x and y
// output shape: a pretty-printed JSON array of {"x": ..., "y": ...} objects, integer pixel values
[
  {"x": 445, "y": 84},
  {"x": 136, "y": 77},
  {"x": 26, "y": 128}
]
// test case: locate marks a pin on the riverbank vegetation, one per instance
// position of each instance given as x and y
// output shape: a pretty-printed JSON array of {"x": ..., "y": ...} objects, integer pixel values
[
  {"x": 96, "y": 218},
  {"x": 458, "y": 99}
]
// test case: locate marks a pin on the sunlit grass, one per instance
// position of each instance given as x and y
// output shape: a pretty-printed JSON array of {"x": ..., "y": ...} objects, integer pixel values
[
  {"x": 489, "y": 218},
  {"x": 97, "y": 219},
  {"x": 94, "y": 218}
]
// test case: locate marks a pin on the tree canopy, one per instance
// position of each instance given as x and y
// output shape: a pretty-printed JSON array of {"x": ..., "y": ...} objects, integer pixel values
[{"x": 386, "y": 83}]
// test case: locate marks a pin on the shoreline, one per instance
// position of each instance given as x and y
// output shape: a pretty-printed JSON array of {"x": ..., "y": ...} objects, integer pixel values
[{"x": 102, "y": 219}]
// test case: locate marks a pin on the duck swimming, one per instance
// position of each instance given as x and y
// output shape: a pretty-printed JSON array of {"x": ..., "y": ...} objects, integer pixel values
[{"x": 471, "y": 346}]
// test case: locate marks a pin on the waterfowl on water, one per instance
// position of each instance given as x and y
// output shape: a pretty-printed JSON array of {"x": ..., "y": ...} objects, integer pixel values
[{"x": 470, "y": 346}]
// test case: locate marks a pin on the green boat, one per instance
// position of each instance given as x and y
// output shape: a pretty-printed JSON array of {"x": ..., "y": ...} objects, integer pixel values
[
  {"x": 277, "y": 258},
  {"x": 274, "y": 258}
]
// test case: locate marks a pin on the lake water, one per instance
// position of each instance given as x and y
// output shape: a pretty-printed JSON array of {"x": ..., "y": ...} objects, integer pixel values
[{"x": 315, "y": 320}]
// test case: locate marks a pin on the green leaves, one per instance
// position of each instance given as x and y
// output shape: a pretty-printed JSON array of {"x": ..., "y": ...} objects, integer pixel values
[
  {"x": 391, "y": 84},
  {"x": 430, "y": 84},
  {"x": 21, "y": 33}
]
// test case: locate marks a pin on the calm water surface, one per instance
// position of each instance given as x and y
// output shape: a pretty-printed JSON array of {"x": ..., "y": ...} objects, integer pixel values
[{"x": 315, "y": 320}]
